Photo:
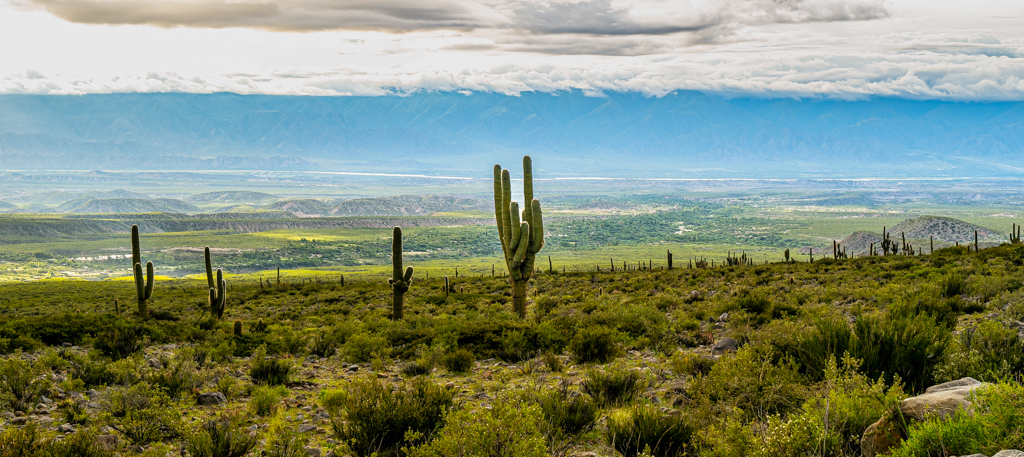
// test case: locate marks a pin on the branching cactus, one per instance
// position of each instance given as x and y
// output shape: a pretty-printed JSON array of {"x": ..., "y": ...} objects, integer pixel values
[
  {"x": 522, "y": 234},
  {"x": 1015, "y": 234},
  {"x": 399, "y": 282},
  {"x": 218, "y": 288},
  {"x": 143, "y": 284}
]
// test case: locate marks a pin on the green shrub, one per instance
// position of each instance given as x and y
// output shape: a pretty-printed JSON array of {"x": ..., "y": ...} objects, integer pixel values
[
  {"x": 690, "y": 364},
  {"x": 614, "y": 385},
  {"x": 459, "y": 361},
  {"x": 953, "y": 285},
  {"x": 180, "y": 376},
  {"x": 223, "y": 437},
  {"x": 647, "y": 428},
  {"x": 510, "y": 428},
  {"x": 26, "y": 442},
  {"x": 900, "y": 343},
  {"x": 751, "y": 380},
  {"x": 571, "y": 415},
  {"x": 141, "y": 412},
  {"x": 119, "y": 340},
  {"x": 264, "y": 399},
  {"x": 515, "y": 347},
  {"x": 553, "y": 363},
  {"x": 371, "y": 417},
  {"x": 268, "y": 370},
  {"x": 323, "y": 345},
  {"x": 595, "y": 344},
  {"x": 20, "y": 384},
  {"x": 283, "y": 441},
  {"x": 988, "y": 352},
  {"x": 363, "y": 347}
]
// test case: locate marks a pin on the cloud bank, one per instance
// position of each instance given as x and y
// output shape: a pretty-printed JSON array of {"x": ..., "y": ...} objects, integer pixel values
[{"x": 776, "y": 48}]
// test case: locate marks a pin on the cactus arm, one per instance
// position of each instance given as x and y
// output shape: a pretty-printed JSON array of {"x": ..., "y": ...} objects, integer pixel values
[
  {"x": 408, "y": 276},
  {"x": 140, "y": 283},
  {"x": 209, "y": 268},
  {"x": 396, "y": 253},
  {"x": 524, "y": 244},
  {"x": 506, "y": 200},
  {"x": 498, "y": 208},
  {"x": 513, "y": 212},
  {"x": 527, "y": 189},
  {"x": 149, "y": 280},
  {"x": 536, "y": 228}
]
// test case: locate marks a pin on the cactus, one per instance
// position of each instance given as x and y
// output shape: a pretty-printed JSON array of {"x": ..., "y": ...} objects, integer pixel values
[
  {"x": 521, "y": 239},
  {"x": 976, "y": 247},
  {"x": 238, "y": 327},
  {"x": 669, "y": 257},
  {"x": 1015, "y": 234},
  {"x": 218, "y": 287},
  {"x": 117, "y": 307},
  {"x": 143, "y": 284},
  {"x": 399, "y": 281},
  {"x": 931, "y": 244},
  {"x": 785, "y": 254}
]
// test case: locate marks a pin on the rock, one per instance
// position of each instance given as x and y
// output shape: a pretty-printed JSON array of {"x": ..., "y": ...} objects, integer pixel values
[
  {"x": 306, "y": 428},
  {"x": 313, "y": 452},
  {"x": 108, "y": 441},
  {"x": 137, "y": 449},
  {"x": 20, "y": 420},
  {"x": 66, "y": 428},
  {"x": 724, "y": 317},
  {"x": 44, "y": 400},
  {"x": 7, "y": 415},
  {"x": 211, "y": 398},
  {"x": 92, "y": 393},
  {"x": 1009, "y": 453},
  {"x": 941, "y": 400},
  {"x": 725, "y": 345},
  {"x": 155, "y": 363}
]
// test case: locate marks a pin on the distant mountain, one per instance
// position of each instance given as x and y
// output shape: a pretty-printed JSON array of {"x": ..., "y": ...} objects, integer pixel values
[
  {"x": 945, "y": 229},
  {"x": 235, "y": 197},
  {"x": 4, "y": 206},
  {"x": 679, "y": 134},
  {"x": 410, "y": 205},
  {"x": 126, "y": 206},
  {"x": 859, "y": 243},
  {"x": 305, "y": 207}
]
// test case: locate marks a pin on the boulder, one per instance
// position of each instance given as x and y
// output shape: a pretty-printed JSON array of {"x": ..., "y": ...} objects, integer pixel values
[
  {"x": 211, "y": 398},
  {"x": 1009, "y": 453},
  {"x": 725, "y": 345},
  {"x": 940, "y": 400}
]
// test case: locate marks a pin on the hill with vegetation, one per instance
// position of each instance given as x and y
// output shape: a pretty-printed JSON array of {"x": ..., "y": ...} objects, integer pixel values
[
  {"x": 238, "y": 197},
  {"x": 945, "y": 229},
  {"x": 88, "y": 205},
  {"x": 410, "y": 205}
]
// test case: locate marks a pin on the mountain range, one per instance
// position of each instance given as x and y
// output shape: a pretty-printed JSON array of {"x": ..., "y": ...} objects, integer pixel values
[{"x": 571, "y": 134}]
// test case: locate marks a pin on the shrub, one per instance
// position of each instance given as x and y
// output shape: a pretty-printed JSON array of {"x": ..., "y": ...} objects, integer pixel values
[
  {"x": 594, "y": 344},
  {"x": 690, "y": 364},
  {"x": 515, "y": 347},
  {"x": 571, "y": 415},
  {"x": 901, "y": 344},
  {"x": 223, "y": 437},
  {"x": 460, "y": 361},
  {"x": 647, "y": 428},
  {"x": 363, "y": 347},
  {"x": 264, "y": 399},
  {"x": 553, "y": 363},
  {"x": 25, "y": 442},
  {"x": 953, "y": 285},
  {"x": 141, "y": 413},
  {"x": 20, "y": 385},
  {"x": 268, "y": 370},
  {"x": 614, "y": 385},
  {"x": 751, "y": 380},
  {"x": 119, "y": 340},
  {"x": 371, "y": 417},
  {"x": 510, "y": 428},
  {"x": 283, "y": 441},
  {"x": 180, "y": 376},
  {"x": 988, "y": 352},
  {"x": 323, "y": 345}
]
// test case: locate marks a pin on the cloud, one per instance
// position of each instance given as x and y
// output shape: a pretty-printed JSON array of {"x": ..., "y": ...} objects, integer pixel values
[
  {"x": 291, "y": 15},
  {"x": 595, "y": 17}
]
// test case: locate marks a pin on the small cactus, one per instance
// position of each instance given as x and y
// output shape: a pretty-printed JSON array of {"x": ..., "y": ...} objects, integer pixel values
[
  {"x": 218, "y": 288},
  {"x": 143, "y": 284},
  {"x": 399, "y": 281},
  {"x": 785, "y": 254},
  {"x": 238, "y": 327}
]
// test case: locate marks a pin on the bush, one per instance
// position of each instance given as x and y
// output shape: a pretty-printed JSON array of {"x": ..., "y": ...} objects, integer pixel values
[
  {"x": 553, "y": 363},
  {"x": 323, "y": 345},
  {"x": 647, "y": 428},
  {"x": 510, "y": 428},
  {"x": 460, "y": 361},
  {"x": 953, "y": 285},
  {"x": 515, "y": 347},
  {"x": 900, "y": 343},
  {"x": 988, "y": 352},
  {"x": 613, "y": 386},
  {"x": 180, "y": 376},
  {"x": 751, "y": 380},
  {"x": 26, "y": 442},
  {"x": 119, "y": 340},
  {"x": 690, "y": 364},
  {"x": 20, "y": 385},
  {"x": 371, "y": 417},
  {"x": 142, "y": 413},
  {"x": 224, "y": 437},
  {"x": 363, "y": 347},
  {"x": 267, "y": 370},
  {"x": 283, "y": 441},
  {"x": 594, "y": 344},
  {"x": 264, "y": 399},
  {"x": 571, "y": 415}
]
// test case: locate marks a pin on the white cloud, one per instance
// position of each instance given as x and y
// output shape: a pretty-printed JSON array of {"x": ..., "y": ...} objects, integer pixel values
[{"x": 800, "y": 48}]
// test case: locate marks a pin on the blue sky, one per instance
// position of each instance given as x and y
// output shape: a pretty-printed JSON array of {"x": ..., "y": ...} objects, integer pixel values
[{"x": 938, "y": 49}]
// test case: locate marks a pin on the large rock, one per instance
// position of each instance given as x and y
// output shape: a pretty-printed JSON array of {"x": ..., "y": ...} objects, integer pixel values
[
  {"x": 1009, "y": 453},
  {"x": 940, "y": 400},
  {"x": 724, "y": 345},
  {"x": 211, "y": 398}
]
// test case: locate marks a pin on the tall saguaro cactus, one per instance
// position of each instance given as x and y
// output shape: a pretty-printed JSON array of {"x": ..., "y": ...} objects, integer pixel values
[
  {"x": 399, "y": 282},
  {"x": 143, "y": 284},
  {"x": 522, "y": 234},
  {"x": 218, "y": 289}
]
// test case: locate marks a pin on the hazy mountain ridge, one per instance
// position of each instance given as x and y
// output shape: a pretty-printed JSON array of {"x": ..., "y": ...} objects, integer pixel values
[{"x": 230, "y": 131}]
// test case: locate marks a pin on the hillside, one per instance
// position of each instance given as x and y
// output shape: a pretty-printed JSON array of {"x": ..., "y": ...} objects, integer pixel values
[
  {"x": 618, "y": 133},
  {"x": 410, "y": 205},
  {"x": 305, "y": 207},
  {"x": 859, "y": 243},
  {"x": 945, "y": 229},
  {"x": 237, "y": 197},
  {"x": 6, "y": 206},
  {"x": 126, "y": 206}
]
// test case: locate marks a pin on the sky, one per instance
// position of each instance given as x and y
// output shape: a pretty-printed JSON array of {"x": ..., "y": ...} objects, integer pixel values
[{"x": 852, "y": 49}]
